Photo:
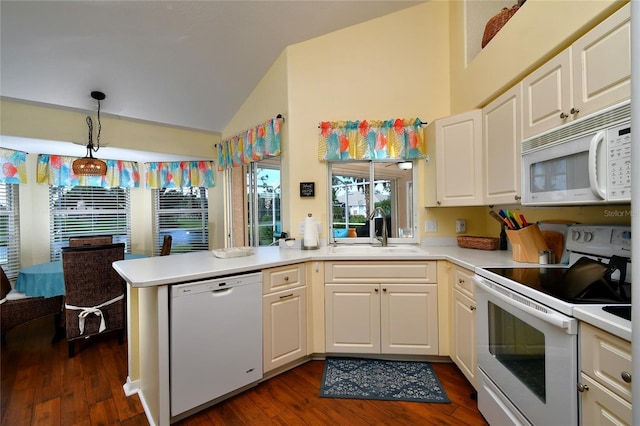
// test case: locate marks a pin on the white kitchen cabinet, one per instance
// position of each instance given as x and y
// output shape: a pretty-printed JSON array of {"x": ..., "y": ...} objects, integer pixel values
[
  {"x": 591, "y": 74},
  {"x": 454, "y": 170},
  {"x": 605, "y": 378},
  {"x": 463, "y": 341},
  {"x": 502, "y": 136},
  {"x": 381, "y": 308},
  {"x": 284, "y": 310}
]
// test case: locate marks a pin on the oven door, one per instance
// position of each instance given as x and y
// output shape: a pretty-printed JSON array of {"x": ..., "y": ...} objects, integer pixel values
[{"x": 527, "y": 356}]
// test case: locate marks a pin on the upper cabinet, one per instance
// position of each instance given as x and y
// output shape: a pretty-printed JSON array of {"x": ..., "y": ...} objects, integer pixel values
[
  {"x": 593, "y": 73},
  {"x": 454, "y": 169},
  {"x": 502, "y": 134}
]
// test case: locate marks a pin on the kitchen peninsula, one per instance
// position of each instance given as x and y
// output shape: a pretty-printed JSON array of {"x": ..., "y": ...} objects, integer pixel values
[{"x": 149, "y": 291}]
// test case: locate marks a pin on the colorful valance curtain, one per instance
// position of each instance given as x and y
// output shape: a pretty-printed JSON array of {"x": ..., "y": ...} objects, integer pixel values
[
  {"x": 13, "y": 166},
  {"x": 371, "y": 140},
  {"x": 180, "y": 174},
  {"x": 255, "y": 144},
  {"x": 56, "y": 170}
]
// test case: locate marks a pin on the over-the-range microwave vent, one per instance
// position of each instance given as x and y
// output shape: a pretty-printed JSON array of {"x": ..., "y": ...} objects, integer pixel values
[{"x": 603, "y": 119}]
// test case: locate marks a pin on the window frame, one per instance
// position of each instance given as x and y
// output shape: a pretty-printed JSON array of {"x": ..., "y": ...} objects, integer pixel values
[
  {"x": 202, "y": 211},
  {"x": 59, "y": 238},
  {"x": 10, "y": 215},
  {"x": 412, "y": 198}
]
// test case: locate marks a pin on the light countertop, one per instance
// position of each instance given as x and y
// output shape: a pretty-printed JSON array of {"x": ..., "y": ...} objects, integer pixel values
[{"x": 180, "y": 268}]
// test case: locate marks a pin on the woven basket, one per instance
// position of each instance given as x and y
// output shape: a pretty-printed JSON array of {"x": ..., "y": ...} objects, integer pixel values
[
  {"x": 479, "y": 243},
  {"x": 496, "y": 23}
]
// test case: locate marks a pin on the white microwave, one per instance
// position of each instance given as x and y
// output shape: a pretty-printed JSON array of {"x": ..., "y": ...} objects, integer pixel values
[{"x": 585, "y": 162}]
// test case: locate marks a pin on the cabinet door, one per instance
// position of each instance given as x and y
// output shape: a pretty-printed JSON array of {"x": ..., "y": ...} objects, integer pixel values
[
  {"x": 600, "y": 406},
  {"x": 284, "y": 327},
  {"x": 352, "y": 317},
  {"x": 458, "y": 160},
  {"x": 464, "y": 352},
  {"x": 601, "y": 62},
  {"x": 502, "y": 127},
  {"x": 547, "y": 96},
  {"x": 409, "y": 319}
]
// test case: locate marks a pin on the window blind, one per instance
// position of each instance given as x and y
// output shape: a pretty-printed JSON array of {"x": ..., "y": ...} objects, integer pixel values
[
  {"x": 9, "y": 229},
  {"x": 182, "y": 213},
  {"x": 88, "y": 210}
]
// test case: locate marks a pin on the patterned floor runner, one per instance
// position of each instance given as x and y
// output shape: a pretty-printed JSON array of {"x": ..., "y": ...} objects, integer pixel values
[{"x": 382, "y": 380}]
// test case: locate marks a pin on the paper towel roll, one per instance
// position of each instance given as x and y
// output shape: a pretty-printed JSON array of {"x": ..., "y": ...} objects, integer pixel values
[{"x": 310, "y": 232}]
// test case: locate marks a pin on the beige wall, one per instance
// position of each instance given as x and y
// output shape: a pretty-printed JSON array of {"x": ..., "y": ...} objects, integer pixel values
[
  {"x": 394, "y": 66},
  {"x": 48, "y": 123},
  {"x": 539, "y": 30}
]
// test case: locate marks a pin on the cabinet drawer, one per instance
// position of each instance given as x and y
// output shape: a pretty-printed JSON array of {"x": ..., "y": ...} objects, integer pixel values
[
  {"x": 606, "y": 358},
  {"x": 276, "y": 279},
  {"x": 463, "y": 281},
  {"x": 600, "y": 406},
  {"x": 380, "y": 272}
]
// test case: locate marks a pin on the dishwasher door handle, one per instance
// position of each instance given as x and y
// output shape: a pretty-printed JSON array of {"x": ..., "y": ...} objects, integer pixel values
[{"x": 219, "y": 292}]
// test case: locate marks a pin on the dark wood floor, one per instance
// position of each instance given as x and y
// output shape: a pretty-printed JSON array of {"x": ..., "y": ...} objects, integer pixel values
[{"x": 42, "y": 386}]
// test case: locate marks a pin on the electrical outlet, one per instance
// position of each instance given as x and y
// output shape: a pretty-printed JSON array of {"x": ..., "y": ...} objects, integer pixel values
[
  {"x": 301, "y": 228},
  {"x": 461, "y": 226},
  {"x": 431, "y": 226}
]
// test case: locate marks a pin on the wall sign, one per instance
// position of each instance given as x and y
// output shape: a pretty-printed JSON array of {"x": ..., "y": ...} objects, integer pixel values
[{"x": 307, "y": 189}]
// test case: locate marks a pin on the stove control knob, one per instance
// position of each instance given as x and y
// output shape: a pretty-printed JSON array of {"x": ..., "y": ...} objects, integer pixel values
[
  {"x": 575, "y": 235},
  {"x": 588, "y": 236}
]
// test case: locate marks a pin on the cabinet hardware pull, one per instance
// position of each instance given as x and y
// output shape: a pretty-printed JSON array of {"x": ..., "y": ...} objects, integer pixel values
[
  {"x": 384, "y": 289},
  {"x": 438, "y": 202},
  {"x": 376, "y": 290},
  {"x": 574, "y": 111},
  {"x": 517, "y": 197},
  {"x": 472, "y": 307},
  {"x": 626, "y": 376},
  {"x": 460, "y": 281},
  {"x": 582, "y": 388},
  {"x": 563, "y": 115},
  {"x": 286, "y": 296},
  {"x": 286, "y": 278}
]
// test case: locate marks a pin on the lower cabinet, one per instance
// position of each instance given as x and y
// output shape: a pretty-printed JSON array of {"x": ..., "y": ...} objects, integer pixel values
[
  {"x": 463, "y": 342},
  {"x": 284, "y": 324},
  {"x": 605, "y": 378},
  {"x": 374, "y": 312}
]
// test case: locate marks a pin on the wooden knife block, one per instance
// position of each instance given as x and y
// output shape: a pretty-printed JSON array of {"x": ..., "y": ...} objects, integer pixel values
[{"x": 526, "y": 243}]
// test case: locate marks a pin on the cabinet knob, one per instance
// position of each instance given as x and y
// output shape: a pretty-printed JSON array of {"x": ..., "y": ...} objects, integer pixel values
[
  {"x": 582, "y": 388},
  {"x": 574, "y": 111},
  {"x": 384, "y": 289},
  {"x": 563, "y": 116},
  {"x": 376, "y": 290},
  {"x": 472, "y": 307},
  {"x": 438, "y": 202},
  {"x": 460, "y": 281},
  {"x": 517, "y": 197},
  {"x": 286, "y": 278},
  {"x": 626, "y": 376}
]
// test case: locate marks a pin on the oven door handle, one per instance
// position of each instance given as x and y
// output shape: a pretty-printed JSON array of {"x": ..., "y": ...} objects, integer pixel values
[{"x": 515, "y": 299}]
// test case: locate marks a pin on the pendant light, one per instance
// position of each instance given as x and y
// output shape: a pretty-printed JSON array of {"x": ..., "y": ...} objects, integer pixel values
[{"x": 89, "y": 166}]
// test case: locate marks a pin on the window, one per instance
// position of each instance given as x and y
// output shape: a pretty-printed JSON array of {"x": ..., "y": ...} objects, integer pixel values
[
  {"x": 358, "y": 187},
  {"x": 182, "y": 213},
  {"x": 9, "y": 229},
  {"x": 88, "y": 210},
  {"x": 263, "y": 202}
]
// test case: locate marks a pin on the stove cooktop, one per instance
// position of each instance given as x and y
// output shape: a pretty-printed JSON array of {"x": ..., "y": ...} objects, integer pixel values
[{"x": 553, "y": 281}]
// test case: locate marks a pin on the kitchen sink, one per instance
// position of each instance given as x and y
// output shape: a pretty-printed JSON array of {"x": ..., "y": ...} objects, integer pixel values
[
  {"x": 620, "y": 311},
  {"x": 365, "y": 249}
]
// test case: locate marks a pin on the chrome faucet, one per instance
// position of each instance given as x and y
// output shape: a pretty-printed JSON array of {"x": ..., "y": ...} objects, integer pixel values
[{"x": 383, "y": 238}]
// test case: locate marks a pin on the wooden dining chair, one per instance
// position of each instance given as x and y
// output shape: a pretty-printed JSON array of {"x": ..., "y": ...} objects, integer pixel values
[
  {"x": 19, "y": 311},
  {"x": 90, "y": 240},
  {"x": 166, "y": 245},
  {"x": 95, "y": 293}
]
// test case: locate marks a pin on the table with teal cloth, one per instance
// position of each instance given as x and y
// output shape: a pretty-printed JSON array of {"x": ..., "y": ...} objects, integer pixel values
[{"x": 47, "y": 279}]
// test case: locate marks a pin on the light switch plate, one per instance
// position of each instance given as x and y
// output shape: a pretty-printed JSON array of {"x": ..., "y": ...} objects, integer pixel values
[
  {"x": 461, "y": 226},
  {"x": 431, "y": 226}
]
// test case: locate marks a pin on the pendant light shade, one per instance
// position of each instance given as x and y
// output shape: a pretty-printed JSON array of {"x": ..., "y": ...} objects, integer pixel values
[{"x": 90, "y": 166}]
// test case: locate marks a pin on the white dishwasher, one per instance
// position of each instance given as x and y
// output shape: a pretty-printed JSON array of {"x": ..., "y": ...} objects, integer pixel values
[{"x": 216, "y": 339}]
